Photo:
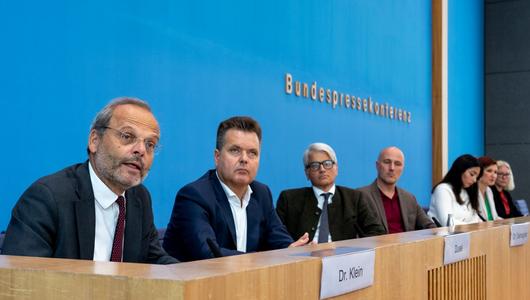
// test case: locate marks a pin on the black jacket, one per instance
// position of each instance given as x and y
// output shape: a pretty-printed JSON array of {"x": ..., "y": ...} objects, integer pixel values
[
  {"x": 55, "y": 217},
  {"x": 349, "y": 214},
  {"x": 499, "y": 206}
]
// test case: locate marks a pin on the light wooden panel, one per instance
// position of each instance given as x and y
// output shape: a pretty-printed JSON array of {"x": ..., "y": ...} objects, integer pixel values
[
  {"x": 437, "y": 91},
  {"x": 463, "y": 280},
  {"x": 407, "y": 266}
]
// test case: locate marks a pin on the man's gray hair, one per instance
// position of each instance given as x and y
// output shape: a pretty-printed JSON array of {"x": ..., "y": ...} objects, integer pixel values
[
  {"x": 102, "y": 119},
  {"x": 321, "y": 147},
  {"x": 511, "y": 184}
]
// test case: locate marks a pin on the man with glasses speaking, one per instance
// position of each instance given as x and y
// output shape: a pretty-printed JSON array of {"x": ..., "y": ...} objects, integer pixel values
[
  {"x": 326, "y": 211},
  {"x": 97, "y": 210}
]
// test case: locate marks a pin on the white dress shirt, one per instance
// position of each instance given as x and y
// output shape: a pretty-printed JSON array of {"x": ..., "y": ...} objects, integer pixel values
[
  {"x": 443, "y": 203},
  {"x": 239, "y": 212},
  {"x": 318, "y": 194},
  {"x": 107, "y": 211}
]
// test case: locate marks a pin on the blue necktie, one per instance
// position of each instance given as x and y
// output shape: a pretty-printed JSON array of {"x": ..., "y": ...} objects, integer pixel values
[{"x": 323, "y": 229}]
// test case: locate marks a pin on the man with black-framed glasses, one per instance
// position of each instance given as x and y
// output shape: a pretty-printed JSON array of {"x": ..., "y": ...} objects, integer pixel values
[
  {"x": 97, "y": 210},
  {"x": 326, "y": 211}
]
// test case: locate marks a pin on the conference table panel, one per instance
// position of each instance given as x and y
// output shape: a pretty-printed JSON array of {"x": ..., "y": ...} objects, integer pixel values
[{"x": 407, "y": 266}]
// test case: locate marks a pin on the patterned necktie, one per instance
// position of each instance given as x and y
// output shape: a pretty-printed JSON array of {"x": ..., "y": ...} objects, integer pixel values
[
  {"x": 323, "y": 229},
  {"x": 117, "y": 245}
]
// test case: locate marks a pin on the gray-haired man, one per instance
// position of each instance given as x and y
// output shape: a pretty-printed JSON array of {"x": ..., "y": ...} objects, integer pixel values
[
  {"x": 326, "y": 211},
  {"x": 97, "y": 210}
]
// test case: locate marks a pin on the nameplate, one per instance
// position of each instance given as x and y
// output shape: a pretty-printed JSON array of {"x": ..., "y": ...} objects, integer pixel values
[
  {"x": 518, "y": 234},
  {"x": 456, "y": 247},
  {"x": 347, "y": 272}
]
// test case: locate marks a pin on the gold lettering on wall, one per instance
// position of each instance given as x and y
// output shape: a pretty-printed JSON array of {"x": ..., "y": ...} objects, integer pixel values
[{"x": 339, "y": 100}]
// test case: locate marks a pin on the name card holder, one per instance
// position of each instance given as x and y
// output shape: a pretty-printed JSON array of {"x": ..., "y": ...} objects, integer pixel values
[
  {"x": 518, "y": 234},
  {"x": 456, "y": 247},
  {"x": 347, "y": 272}
]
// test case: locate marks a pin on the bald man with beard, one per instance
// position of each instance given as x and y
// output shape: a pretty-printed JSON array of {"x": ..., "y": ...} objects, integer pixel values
[{"x": 397, "y": 209}]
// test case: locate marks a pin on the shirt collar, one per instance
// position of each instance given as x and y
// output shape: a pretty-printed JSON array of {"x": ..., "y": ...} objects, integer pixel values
[
  {"x": 232, "y": 196},
  {"x": 319, "y": 192},
  {"x": 384, "y": 197},
  {"x": 104, "y": 196}
]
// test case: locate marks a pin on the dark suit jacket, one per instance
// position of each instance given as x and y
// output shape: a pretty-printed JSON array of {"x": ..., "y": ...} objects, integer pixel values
[
  {"x": 499, "y": 206},
  {"x": 202, "y": 212},
  {"x": 55, "y": 217},
  {"x": 412, "y": 215},
  {"x": 349, "y": 214}
]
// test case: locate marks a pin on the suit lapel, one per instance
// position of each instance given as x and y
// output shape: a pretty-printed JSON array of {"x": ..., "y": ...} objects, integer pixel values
[
  {"x": 253, "y": 229},
  {"x": 335, "y": 212},
  {"x": 133, "y": 228},
  {"x": 334, "y": 209},
  {"x": 85, "y": 214},
  {"x": 309, "y": 219},
  {"x": 376, "y": 195},
  {"x": 222, "y": 200},
  {"x": 402, "y": 208}
]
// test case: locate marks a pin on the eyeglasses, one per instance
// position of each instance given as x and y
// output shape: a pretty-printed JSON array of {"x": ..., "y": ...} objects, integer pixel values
[
  {"x": 315, "y": 165},
  {"x": 128, "y": 138},
  {"x": 503, "y": 174}
]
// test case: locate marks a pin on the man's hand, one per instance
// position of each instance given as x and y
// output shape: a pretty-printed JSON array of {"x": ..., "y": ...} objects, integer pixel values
[{"x": 303, "y": 240}]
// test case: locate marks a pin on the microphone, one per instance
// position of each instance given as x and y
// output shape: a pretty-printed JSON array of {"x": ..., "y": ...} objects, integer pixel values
[
  {"x": 482, "y": 218},
  {"x": 438, "y": 224},
  {"x": 214, "y": 248}
]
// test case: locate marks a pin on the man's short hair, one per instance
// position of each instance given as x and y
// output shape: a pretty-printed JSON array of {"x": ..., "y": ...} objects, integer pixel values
[
  {"x": 242, "y": 123},
  {"x": 319, "y": 147},
  {"x": 102, "y": 119},
  {"x": 379, "y": 157}
]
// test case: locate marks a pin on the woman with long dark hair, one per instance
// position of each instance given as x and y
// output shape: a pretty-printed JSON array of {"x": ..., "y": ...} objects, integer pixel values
[{"x": 457, "y": 193}]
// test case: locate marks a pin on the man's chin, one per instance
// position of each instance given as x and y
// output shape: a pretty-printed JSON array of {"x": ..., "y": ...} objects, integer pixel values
[
  {"x": 243, "y": 181},
  {"x": 390, "y": 180},
  {"x": 130, "y": 181}
]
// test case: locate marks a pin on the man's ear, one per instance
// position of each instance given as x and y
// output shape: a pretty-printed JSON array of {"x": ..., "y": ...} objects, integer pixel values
[
  {"x": 216, "y": 154},
  {"x": 93, "y": 141}
]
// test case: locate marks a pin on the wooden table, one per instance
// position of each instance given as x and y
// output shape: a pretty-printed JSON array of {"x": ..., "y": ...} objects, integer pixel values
[{"x": 407, "y": 266}]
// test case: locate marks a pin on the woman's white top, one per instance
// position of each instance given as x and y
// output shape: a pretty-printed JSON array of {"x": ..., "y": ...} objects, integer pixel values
[
  {"x": 491, "y": 201},
  {"x": 443, "y": 203}
]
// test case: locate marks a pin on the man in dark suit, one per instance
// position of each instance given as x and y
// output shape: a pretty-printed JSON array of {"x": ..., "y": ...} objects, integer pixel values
[
  {"x": 326, "y": 211},
  {"x": 226, "y": 212},
  {"x": 97, "y": 210},
  {"x": 397, "y": 209}
]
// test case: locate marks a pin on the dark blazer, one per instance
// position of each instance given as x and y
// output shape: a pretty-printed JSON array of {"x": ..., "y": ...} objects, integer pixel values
[
  {"x": 55, "y": 217},
  {"x": 202, "y": 212},
  {"x": 349, "y": 214},
  {"x": 499, "y": 206},
  {"x": 412, "y": 215}
]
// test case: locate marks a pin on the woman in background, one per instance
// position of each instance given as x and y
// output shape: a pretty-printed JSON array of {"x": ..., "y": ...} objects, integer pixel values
[
  {"x": 485, "y": 196},
  {"x": 457, "y": 193},
  {"x": 501, "y": 191}
]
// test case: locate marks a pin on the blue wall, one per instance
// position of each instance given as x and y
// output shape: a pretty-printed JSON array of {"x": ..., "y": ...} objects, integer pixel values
[
  {"x": 466, "y": 78},
  {"x": 202, "y": 61}
]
